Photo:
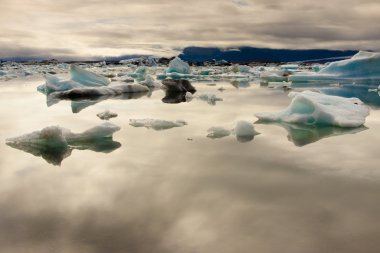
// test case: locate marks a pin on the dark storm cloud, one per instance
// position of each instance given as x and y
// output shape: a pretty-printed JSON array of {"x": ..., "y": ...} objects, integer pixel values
[{"x": 94, "y": 27}]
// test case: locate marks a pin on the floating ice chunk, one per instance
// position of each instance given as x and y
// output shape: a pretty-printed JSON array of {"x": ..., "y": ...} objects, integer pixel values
[
  {"x": 211, "y": 99},
  {"x": 274, "y": 76},
  {"x": 244, "y": 69},
  {"x": 189, "y": 96},
  {"x": 53, "y": 84},
  {"x": 149, "y": 82},
  {"x": 101, "y": 91},
  {"x": 55, "y": 143},
  {"x": 87, "y": 78},
  {"x": 178, "y": 66},
  {"x": 156, "y": 124},
  {"x": 106, "y": 115},
  {"x": 312, "y": 108},
  {"x": 3, "y": 73},
  {"x": 244, "y": 131},
  {"x": 289, "y": 66},
  {"x": 363, "y": 65},
  {"x": 217, "y": 132}
]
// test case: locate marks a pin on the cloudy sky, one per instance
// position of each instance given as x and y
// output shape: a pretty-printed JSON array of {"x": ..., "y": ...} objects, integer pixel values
[{"x": 93, "y": 28}]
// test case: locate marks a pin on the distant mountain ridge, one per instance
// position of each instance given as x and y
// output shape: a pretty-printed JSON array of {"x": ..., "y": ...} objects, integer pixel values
[{"x": 252, "y": 54}]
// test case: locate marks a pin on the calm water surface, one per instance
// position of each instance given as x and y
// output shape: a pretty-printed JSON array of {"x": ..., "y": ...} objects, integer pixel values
[{"x": 290, "y": 189}]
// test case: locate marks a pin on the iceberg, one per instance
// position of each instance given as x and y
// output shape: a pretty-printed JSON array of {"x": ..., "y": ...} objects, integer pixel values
[
  {"x": 178, "y": 66},
  {"x": 55, "y": 143},
  {"x": 156, "y": 124},
  {"x": 53, "y": 84},
  {"x": 244, "y": 131},
  {"x": 211, "y": 99},
  {"x": 86, "y": 77},
  {"x": 362, "y": 66},
  {"x": 149, "y": 82},
  {"x": 106, "y": 115},
  {"x": 313, "y": 108},
  {"x": 80, "y": 78}
]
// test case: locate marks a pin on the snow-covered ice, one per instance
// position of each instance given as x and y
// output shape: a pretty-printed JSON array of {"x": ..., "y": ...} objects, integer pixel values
[
  {"x": 156, "y": 124},
  {"x": 313, "y": 108},
  {"x": 244, "y": 131}
]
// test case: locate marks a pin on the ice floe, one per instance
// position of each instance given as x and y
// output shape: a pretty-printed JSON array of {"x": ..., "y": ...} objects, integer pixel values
[
  {"x": 313, "y": 108},
  {"x": 55, "y": 143},
  {"x": 243, "y": 130},
  {"x": 156, "y": 124}
]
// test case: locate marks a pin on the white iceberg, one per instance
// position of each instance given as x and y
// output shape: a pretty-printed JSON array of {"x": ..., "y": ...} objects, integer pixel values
[
  {"x": 156, "y": 124},
  {"x": 312, "y": 108},
  {"x": 244, "y": 131},
  {"x": 178, "y": 66},
  {"x": 362, "y": 66},
  {"x": 149, "y": 82}
]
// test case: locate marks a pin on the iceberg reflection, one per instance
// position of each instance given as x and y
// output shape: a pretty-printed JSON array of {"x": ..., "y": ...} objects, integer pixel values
[
  {"x": 302, "y": 135},
  {"x": 54, "y": 143}
]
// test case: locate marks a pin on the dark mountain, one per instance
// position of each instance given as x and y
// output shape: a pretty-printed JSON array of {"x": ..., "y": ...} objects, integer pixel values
[{"x": 251, "y": 54}]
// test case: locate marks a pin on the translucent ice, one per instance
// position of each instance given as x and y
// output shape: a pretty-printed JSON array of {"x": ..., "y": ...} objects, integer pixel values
[
  {"x": 312, "y": 108},
  {"x": 86, "y": 77},
  {"x": 363, "y": 65},
  {"x": 178, "y": 66},
  {"x": 156, "y": 124},
  {"x": 53, "y": 83},
  {"x": 55, "y": 143}
]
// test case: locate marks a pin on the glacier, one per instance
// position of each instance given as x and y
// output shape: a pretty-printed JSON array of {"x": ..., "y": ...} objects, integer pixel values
[{"x": 313, "y": 108}]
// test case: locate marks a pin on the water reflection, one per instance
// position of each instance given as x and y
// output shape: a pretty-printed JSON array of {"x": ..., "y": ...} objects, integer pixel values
[
  {"x": 302, "y": 135},
  {"x": 54, "y": 144},
  {"x": 78, "y": 104}
]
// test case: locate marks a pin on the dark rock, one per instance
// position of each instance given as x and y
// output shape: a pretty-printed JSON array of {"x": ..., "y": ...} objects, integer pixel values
[{"x": 178, "y": 85}]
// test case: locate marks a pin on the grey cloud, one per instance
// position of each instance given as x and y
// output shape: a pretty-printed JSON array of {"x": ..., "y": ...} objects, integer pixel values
[{"x": 103, "y": 28}]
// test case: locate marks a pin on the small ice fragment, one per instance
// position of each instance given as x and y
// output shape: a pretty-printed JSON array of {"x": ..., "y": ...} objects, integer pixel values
[
  {"x": 244, "y": 131},
  {"x": 217, "y": 132},
  {"x": 188, "y": 96},
  {"x": 106, "y": 115}
]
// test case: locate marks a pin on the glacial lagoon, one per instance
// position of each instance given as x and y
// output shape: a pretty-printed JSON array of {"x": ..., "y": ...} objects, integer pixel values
[{"x": 290, "y": 188}]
